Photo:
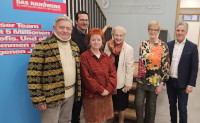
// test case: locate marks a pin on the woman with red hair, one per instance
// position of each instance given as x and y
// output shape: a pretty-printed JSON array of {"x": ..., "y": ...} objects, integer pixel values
[{"x": 98, "y": 79}]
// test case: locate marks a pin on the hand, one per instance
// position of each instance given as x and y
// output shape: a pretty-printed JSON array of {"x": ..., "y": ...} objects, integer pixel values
[
  {"x": 159, "y": 89},
  {"x": 189, "y": 89},
  {"x": 127, "y": 88},
  {"x": 105, "y": 93},
  {"x": 42, "y": 107}
]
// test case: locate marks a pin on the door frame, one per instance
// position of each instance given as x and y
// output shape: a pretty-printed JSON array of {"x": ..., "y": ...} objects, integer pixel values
[{"x": 188, "y": 12}]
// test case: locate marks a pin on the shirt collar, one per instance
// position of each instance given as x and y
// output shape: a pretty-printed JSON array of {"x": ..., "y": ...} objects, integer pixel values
[
  {"x": 156, "y": 42},
  {"x": 92, "y": 55},
  {"x": 80, "y": 32},
  {"x": 183, "y": 42},
  {"x": 62, "y": 40}
]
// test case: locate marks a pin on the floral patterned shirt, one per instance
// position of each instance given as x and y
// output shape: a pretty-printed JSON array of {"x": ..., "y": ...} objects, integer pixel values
[{"x": 153, "y": 63}]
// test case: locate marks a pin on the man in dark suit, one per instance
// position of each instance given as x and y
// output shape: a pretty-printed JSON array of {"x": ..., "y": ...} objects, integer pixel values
[
  {"x": 79, "y": 31},
  {"x": 183, "y": 72},
  {"x": 79, "y": 37}
]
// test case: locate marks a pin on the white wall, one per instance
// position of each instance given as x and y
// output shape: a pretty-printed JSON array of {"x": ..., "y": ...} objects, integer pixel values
[
  {"x": 134, "y": 16},
  {"x": 190, "y": 4},
  {"x": 194, "y": 33}
]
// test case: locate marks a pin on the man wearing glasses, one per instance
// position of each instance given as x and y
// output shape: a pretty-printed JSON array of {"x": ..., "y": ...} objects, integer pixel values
[{"x": 79, "y": 36}]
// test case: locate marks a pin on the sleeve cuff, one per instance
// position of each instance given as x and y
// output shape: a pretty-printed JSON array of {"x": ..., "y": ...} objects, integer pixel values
[
  {"x": 163, "y": 83},
  {"x": 100, "y": 89},
  {"x": 190, "y": 85}
]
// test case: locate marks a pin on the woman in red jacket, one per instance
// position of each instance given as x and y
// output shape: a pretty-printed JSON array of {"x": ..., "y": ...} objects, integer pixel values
[{"x": 98, "y": 79}]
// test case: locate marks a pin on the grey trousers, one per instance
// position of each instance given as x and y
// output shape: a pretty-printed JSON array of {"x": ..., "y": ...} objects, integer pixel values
[
  {"x": 150, "y": 108},
  {"x": 59, "y": 114}
]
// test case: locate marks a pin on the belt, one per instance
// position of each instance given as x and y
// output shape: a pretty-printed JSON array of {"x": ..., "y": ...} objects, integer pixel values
[
  {"x": 174, "y": 79},
  {"x": 68, "y": 87}
]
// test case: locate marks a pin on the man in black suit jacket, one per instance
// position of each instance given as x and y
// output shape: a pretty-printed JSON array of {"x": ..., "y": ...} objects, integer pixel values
[
  {"x": 79, "y": 31},
  {"x": 79, "y": 37},
  {"x": 183, "y": 72}
]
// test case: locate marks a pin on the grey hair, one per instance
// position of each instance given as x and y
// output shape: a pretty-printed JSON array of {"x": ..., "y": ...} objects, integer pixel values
[
  {"x": 119, "y": 28},
  {"x": 182, "y": 23},
  {"x": 63, "y": 18}
]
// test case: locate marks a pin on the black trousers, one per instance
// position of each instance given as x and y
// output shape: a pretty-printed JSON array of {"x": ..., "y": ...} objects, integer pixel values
[
  {"x": 177, "y": 94},
  {"x": 76, "y": 111}
]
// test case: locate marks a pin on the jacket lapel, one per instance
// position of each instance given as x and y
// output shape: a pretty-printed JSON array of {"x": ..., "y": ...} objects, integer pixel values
[
  {"x": 54, "y": 47},
  {"x": 75, "y": 50},
  {"x": 171, "y": 48},
  {"x": 184, "y": 49}
]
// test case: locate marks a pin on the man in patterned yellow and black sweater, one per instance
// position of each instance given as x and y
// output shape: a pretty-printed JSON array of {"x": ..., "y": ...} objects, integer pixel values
[{"x": 54, "y": 74}]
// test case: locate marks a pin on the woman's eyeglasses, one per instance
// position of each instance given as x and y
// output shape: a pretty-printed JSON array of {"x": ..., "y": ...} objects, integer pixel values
[{"x": 153, "y": 30}]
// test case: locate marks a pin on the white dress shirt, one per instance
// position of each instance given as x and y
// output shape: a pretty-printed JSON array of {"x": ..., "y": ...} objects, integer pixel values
[{"x": 177, "y": 52}]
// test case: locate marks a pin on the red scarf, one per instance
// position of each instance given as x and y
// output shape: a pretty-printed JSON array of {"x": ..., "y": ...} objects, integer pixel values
[{"x": 114, "y": 49}]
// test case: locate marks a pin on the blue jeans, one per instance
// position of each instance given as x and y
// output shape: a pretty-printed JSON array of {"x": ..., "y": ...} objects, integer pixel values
[{"x": 175, "y": 93}]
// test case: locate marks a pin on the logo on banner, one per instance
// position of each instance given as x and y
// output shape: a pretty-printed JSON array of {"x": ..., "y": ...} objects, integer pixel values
[{"x": 40, "y": 6}]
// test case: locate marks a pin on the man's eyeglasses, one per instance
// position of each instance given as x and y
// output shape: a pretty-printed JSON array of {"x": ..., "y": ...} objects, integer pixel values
[{"x": 82, "y": 20}]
